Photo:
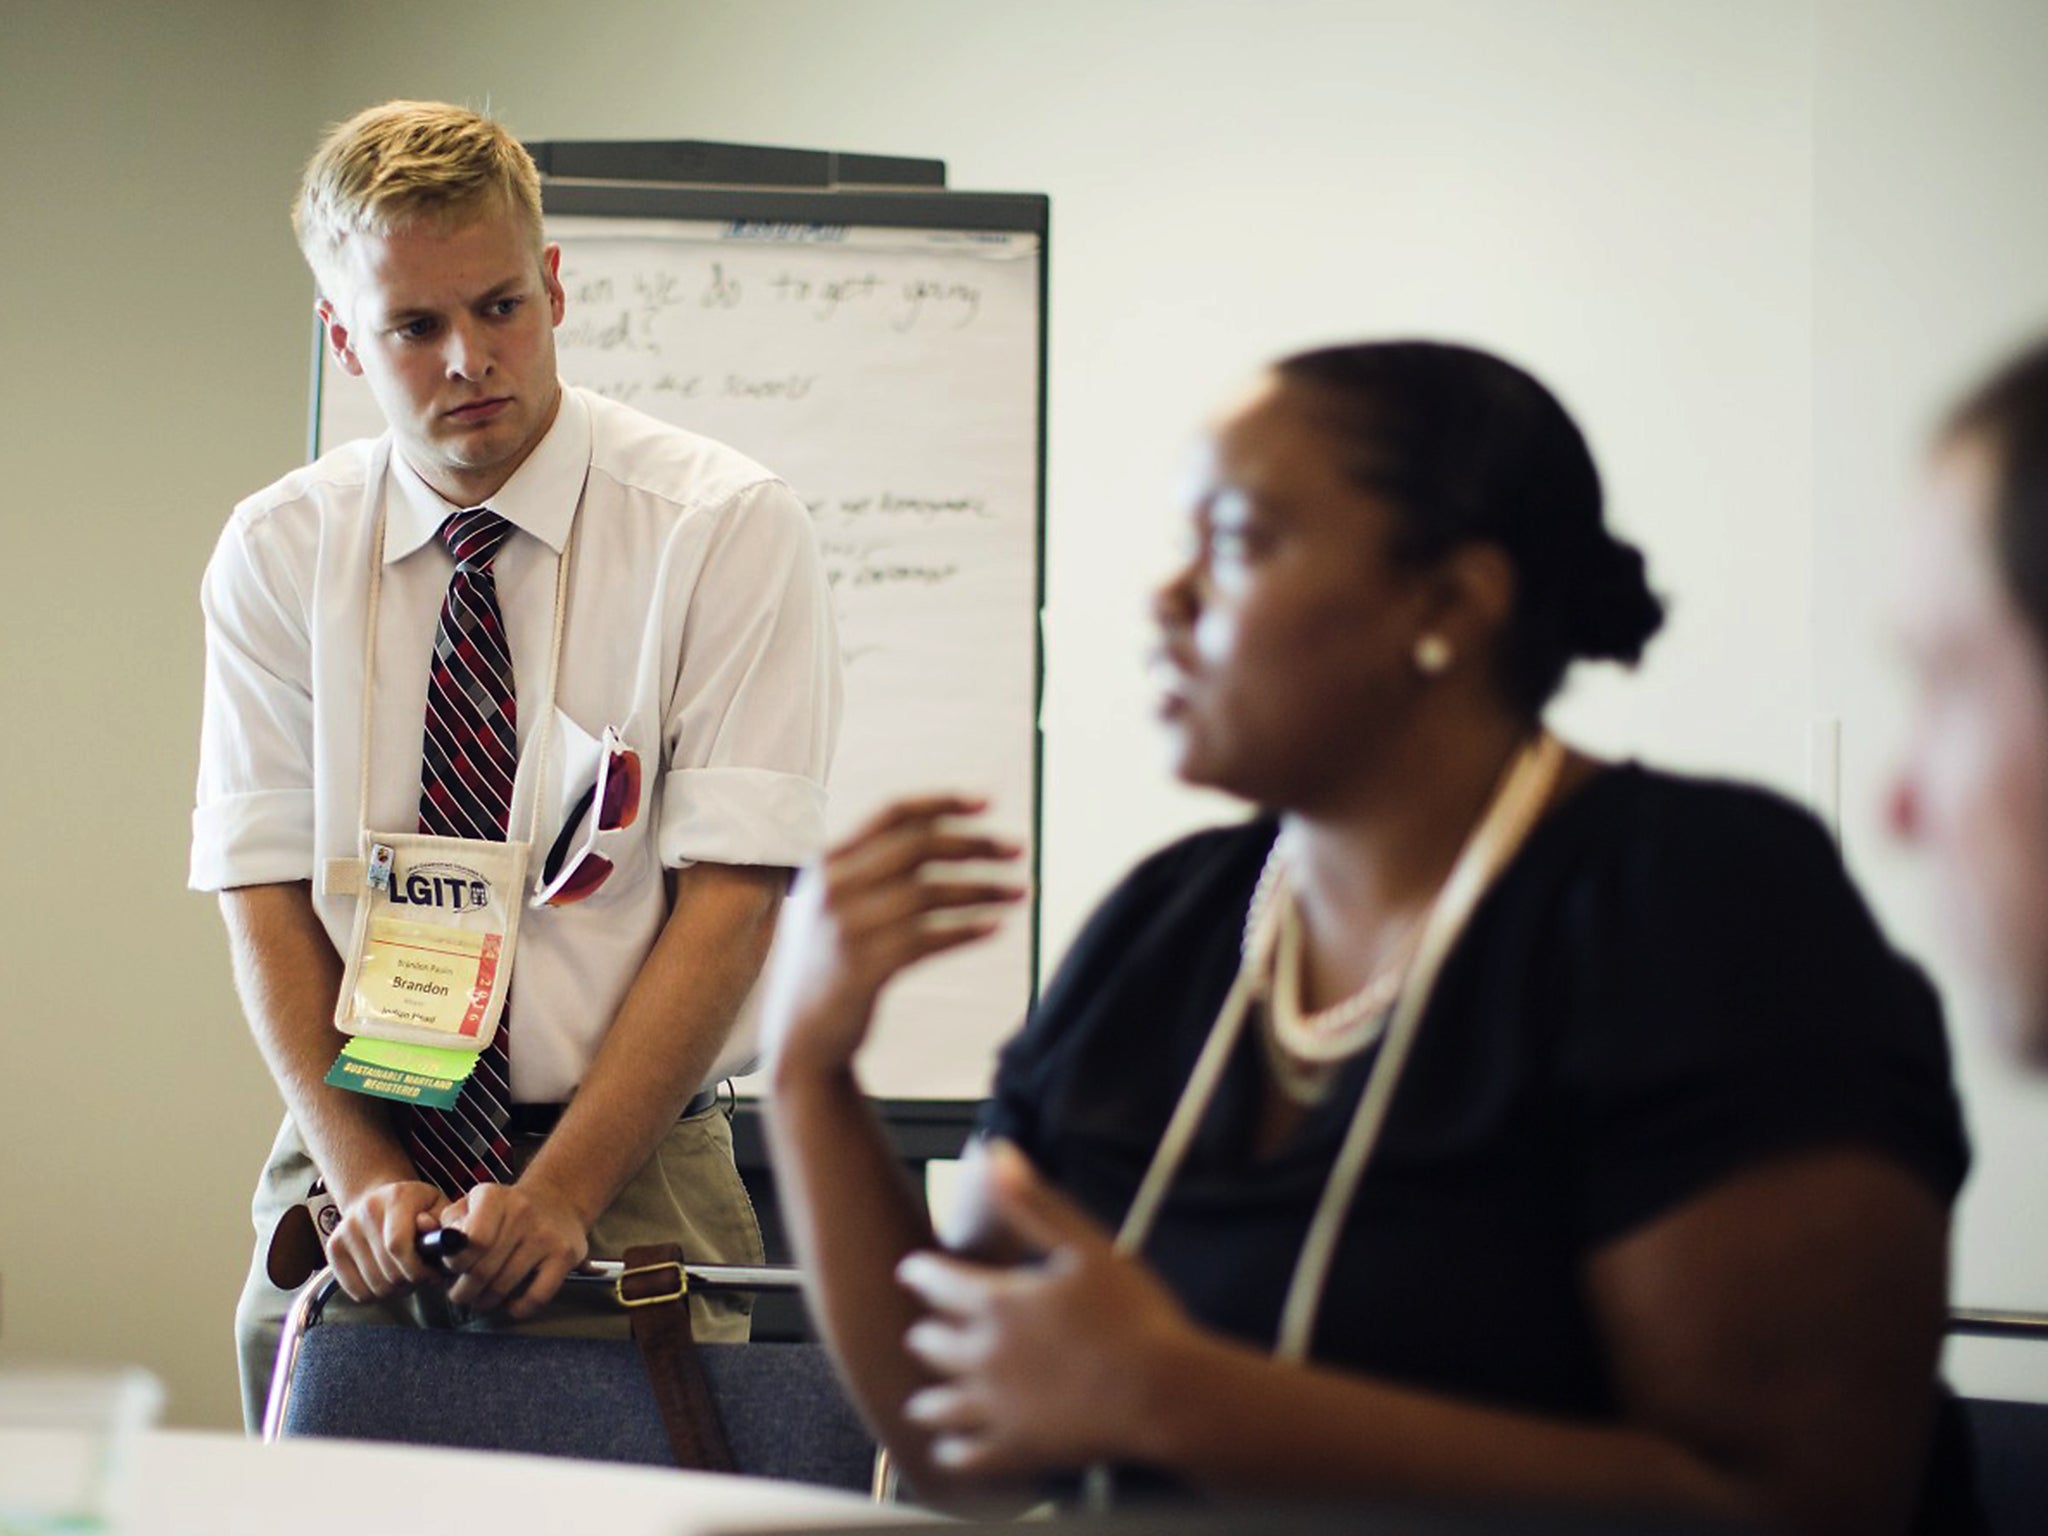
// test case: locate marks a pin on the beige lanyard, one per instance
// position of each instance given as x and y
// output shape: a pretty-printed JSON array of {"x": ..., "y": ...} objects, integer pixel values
[
  {"x": 1514, "y": 810},
  {"x": 545, "y": 726}
]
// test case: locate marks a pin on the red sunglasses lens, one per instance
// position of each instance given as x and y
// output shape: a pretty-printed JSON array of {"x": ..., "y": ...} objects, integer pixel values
[
  {"x": 591, "y": 871},
  {"x": 621, "y": 792}
]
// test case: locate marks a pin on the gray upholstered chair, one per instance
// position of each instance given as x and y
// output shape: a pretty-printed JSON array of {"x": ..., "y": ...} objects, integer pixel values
[
  {"x": 783, "y": 1411},
  {"x": 2009, "y": 1440},
  {"x": 2011, "y": 1445}
]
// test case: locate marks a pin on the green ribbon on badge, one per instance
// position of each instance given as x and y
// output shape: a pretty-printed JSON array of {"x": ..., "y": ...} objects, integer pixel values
[{"x": 409, "y": 1074}]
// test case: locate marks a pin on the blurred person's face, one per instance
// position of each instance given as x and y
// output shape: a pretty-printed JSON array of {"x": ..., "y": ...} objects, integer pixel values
[
  {"x": 1973, "y": 788},
  {"x": 1286, "y": 641}
]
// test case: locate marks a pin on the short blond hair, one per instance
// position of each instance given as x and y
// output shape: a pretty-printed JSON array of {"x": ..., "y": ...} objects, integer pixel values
[{"x": 408, "y": 162}]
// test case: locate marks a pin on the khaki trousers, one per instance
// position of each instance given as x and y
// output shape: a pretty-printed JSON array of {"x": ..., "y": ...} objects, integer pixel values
[{"x": 689, "y": 1194}]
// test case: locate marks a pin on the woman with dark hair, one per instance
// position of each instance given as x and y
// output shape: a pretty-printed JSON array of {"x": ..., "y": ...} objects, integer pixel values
[
  {"x": 1478, "y": 1121},
  {"x": 1974, "y": 786}
]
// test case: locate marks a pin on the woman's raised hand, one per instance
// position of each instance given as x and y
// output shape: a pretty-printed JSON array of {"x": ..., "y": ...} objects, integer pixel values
[{"x": 876, "y": 904}]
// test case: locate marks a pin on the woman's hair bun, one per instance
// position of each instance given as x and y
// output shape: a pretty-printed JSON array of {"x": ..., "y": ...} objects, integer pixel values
[
  {"x": 1609, "y": 612},
  {"x": 1467, "y": 447}
]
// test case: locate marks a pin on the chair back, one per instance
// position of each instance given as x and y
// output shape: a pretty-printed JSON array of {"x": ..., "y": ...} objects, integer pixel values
[
  {"x": 783, "y": 1411},
  {"x": 2011, "y": 1443}
]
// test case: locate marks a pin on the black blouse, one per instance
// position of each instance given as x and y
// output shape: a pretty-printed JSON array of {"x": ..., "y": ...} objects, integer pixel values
[{"x": 1672, "y": 981}]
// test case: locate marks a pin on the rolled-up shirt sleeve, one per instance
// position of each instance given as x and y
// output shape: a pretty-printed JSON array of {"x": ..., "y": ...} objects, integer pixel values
[
  {"x": 754, "y": 717},
  {"x": 253, "y": 820}
]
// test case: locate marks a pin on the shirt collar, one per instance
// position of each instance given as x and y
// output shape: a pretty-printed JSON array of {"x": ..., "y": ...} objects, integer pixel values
[{"x": 539, "y": 499}]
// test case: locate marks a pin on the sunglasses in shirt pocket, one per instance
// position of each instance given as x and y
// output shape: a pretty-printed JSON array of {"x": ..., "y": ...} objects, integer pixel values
[{"x": 601, "y": 829}]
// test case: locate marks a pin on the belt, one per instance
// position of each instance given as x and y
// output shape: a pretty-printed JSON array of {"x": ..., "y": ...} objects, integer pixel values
[{"x": 530, "y": 1122}]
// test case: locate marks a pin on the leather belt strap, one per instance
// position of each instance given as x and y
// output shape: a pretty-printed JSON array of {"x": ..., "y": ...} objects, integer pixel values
[
  {"x": 529, "y": 1121},
  {"x": 655, "y": 1291}
]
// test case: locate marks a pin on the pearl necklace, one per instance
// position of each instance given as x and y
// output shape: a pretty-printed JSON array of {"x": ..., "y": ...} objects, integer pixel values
[
  {"x": 1304, "y": 1050},
  {"x": 1348, "y": 1025},
  {"x": 1518, "y": 803}
]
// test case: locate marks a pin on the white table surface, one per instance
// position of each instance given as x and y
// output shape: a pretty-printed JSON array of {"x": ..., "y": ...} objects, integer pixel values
[{"x": 187, "y": 1482}]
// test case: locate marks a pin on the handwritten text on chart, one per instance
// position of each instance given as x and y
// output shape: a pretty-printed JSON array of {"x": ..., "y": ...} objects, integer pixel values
[
  {"x": 895, "y": 504},
  {"x": 858, "y": 541},
  {"x": 701, "y": 386},
  {"x": 855, "y": 559},
  {"x": 613, "y": 313},
  {"x": 852, "y": 563}
]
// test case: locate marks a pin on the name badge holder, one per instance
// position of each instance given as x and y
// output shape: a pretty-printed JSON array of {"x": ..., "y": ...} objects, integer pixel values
[{"x": 437, "y": 920}]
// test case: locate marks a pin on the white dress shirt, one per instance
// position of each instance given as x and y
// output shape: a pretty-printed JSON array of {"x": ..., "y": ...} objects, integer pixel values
[{"x": 699, "y": 626}]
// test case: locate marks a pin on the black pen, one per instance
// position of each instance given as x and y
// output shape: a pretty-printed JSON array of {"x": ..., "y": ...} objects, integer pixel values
[{"x": 440, "y": 1245}]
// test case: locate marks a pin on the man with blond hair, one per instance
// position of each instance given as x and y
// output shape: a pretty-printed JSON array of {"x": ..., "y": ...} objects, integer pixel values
[{"x": 523, "y": 614}]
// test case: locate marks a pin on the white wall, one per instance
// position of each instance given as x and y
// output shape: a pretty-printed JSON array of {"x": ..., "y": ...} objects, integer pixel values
[
  {"x": 152, "y": 369},
  {"x": 1633, "y": 196}
]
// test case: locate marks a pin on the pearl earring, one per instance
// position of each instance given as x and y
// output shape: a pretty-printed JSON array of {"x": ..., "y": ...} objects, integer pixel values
[{"x": 1433, "y": 655}]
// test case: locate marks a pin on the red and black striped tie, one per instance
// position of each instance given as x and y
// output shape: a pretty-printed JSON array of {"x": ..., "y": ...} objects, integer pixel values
[{"x": 471, "y": 753}]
